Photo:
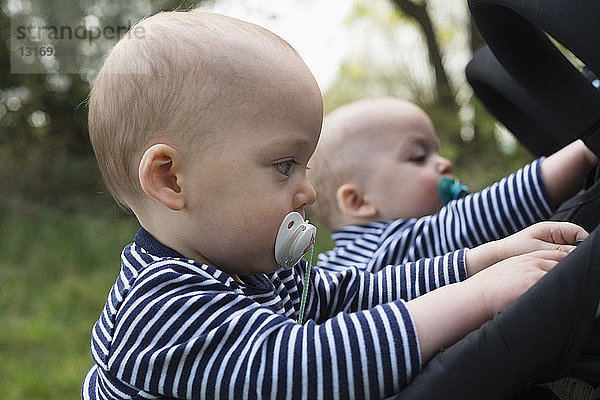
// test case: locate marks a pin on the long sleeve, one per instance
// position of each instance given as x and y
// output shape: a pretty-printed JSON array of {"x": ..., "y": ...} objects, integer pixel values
[
  {"x": 497, "y": 211},
  {"x": 187, "y": 331},
  {"x": 351, "y": 290}
]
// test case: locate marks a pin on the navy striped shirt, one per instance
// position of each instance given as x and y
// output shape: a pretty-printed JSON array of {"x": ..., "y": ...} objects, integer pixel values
[
  {"x": 497, "y": 211},
  {"x": 175, "y": 328}
]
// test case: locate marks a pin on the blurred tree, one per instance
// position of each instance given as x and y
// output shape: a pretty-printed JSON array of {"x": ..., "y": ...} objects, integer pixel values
[
  {"x": 45, "y": 153},
  {"x": 470, "y": 136},
  {"x": 418, "y": 11}
]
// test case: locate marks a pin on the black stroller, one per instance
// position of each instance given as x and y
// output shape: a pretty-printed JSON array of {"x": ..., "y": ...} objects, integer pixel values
[{"x": 551, "y": 332}]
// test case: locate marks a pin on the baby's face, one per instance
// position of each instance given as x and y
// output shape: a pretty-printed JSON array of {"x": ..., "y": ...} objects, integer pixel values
[
  {"x": 405, "y": 168},
  {"x": 254, "y": 173}
]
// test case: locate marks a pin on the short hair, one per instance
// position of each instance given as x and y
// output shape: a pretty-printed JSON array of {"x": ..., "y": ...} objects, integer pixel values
[
  {"x": 168, "y": 79},
  {"x": 325, "y": 178},
  {"x": 333, "y": 164}
]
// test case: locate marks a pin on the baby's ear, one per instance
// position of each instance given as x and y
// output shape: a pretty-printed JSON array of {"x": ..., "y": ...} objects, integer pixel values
[
  {"x": 160, "y": 175},
  {"x": 353, "y": 203}
]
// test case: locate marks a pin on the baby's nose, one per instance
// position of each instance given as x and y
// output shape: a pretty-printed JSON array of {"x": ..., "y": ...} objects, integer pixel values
[
  {"x": 444, "y": 166},
  {"x": 306, "y": 196}
]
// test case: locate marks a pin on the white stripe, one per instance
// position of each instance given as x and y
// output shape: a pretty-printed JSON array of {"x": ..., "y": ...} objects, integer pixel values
[
  {"x": 391, "y": 341},
  {"x": 446, "y": 266},
  {"x": 165, "y": 368},
  {"x": 377, "y": 346},
  {"x": 348, "y": 354},
  {"x": 275, "y": 367},
  {"x": 98, "y": 342},
  {"x": 261, "y": 371},
  {"x": 407, "y": 280},
  {"x": 217, "y": 356},
  {"x": 363, "y": 357},
  {"x": 497, "y": 212},
  {"x": 538, "y": 188},
  {"x": 252, "y": 347},
  {"x": 304, "y": 362},
  {"x": 159, "y": 335},
  {"x": 436, "y": 271},
  {"x": 193, "y": 377},
  {"x": 456, "y": 269},
  {"x": 98, "y": 358},
  {"x": 488, "y": 216},
  {"x": 319, "y": 365},
  {"x": 186, "y": 351},
  {"x": 478, "y": 217},
  {"x": 426, "y": 268},
  {"x": 417, "y": 278},
  {"x": 86, "y": 383},
  {"x": 512, "y": 191},
  {"x": 137, "y": 321},
  {"x": 290, "y": 361},
  {"x": 335, "y": 380},
  {"x": 103, "y": 323},
  {"x": 471, "y": 222},
  {"x": 404, "y": 337},
  {"x": 520, "y": 191},
  {"x": 506, "y": 207},
  {"x": 538, "y": 212},
  {"x": 110, "y": 386}
]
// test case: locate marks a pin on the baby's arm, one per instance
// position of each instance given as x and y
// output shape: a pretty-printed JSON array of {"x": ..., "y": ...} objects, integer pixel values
[
  {"x": 541, "y": 236},
  {"x": 497, "y": 211},
  {"x": 420, "y": 277},
  {"x": 445, "y": 315},
  {"x": 564, "y": 171}
]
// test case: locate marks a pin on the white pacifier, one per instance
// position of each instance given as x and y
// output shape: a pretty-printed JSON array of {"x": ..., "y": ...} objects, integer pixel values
[{"x": 294, "y": 239}]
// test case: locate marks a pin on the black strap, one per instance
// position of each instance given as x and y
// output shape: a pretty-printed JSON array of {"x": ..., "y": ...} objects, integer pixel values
[
  {"x": 532, "y": 124},
  {"x": 517, "y": 32}
]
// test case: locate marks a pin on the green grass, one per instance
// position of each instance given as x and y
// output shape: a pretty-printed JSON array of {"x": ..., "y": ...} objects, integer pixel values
[{"x": 55, "y": 272}]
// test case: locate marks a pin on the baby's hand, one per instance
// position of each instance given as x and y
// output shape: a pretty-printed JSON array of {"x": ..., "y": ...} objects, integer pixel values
[
  {"x": 503, "y": 282},
  {"x": 541, "y": 236},
  {"x": 446, "y": 314},
  {"x": 558, "y": 236}
]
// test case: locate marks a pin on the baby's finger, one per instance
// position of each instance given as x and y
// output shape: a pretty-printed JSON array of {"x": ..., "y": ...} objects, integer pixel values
[
  {"x": 549, "y": 255},
  {"x": 567, "y": 233},
  {"x": 547, "y": 265},
  {"x": 557, "y": 232},
  {"x": 564, "y": 248}
]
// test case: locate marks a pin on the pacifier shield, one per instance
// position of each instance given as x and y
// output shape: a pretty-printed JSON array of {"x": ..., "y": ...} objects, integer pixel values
[
  {"x": 294, "y": 239},
  {"x": 451, "y": 189}
]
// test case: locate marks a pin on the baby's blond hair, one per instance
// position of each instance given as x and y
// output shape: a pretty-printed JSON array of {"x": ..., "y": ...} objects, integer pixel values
[
  {"x": 334, "y": 163},
  {"x": 170, "y": 80}
]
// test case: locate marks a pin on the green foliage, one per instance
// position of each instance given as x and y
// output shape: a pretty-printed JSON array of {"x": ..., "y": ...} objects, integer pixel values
[{"x": 43, "y": 116}]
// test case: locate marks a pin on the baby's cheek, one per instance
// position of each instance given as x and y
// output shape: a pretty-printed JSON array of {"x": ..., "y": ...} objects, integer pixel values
[{"x": 431, "y": 196}]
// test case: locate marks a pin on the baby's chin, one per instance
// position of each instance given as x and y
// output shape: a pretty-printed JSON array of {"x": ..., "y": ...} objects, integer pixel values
[{"x": 425, "y": 213}]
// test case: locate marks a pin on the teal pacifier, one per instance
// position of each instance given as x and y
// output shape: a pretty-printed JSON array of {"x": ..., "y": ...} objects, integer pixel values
[{"x": 451, "y": 189}]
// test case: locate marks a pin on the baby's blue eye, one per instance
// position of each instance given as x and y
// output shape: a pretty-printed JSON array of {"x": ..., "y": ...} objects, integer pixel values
[{"x": 285, "y": 166}]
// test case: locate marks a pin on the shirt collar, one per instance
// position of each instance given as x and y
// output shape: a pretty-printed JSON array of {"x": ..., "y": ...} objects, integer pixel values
[{"x": 145, "y": 240}]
